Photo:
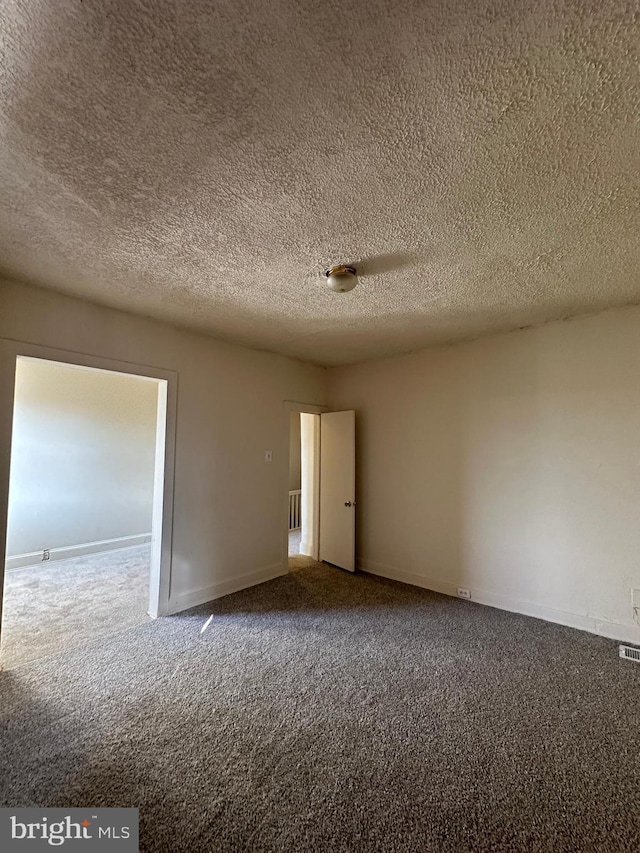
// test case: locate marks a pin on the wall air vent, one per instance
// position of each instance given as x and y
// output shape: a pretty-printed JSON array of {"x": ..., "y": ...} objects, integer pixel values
[{"x": 630, "y": 653}]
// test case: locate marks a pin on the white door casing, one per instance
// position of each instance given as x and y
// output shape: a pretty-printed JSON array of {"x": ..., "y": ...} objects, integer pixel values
[{"x": 162, "y": 525}]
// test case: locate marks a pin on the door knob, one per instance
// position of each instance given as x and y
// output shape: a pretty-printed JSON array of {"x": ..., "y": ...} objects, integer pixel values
[{"x": 347, "y": 503}]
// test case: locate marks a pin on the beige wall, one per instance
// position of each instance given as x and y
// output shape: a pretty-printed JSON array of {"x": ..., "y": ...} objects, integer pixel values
[
  {"x": 229, "y": 504},
  {"x": 511, "y": 466},
  {"x": 295, "y": 457},
  {"x": 82, "y": 457}
]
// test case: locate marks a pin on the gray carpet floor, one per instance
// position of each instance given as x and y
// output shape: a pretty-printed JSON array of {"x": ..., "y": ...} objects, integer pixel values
[
  {"x": 325, "y": 711},
  {"x": 63, "y": 604},
  {"x": 295, "y": 537}
]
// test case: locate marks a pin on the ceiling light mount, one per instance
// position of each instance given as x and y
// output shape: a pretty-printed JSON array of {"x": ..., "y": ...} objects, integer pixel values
[{"x": 341, "y": 278}]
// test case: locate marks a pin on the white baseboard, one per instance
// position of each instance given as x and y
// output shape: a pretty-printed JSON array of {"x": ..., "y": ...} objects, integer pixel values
[
  {"x": 34, "y": 558},
  {"x": 612, "y": 630},
  {"x": 218, "y": 590}
]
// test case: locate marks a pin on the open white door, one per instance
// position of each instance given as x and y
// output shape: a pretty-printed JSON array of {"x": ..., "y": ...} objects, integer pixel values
[{"x": 338, "y": 489}]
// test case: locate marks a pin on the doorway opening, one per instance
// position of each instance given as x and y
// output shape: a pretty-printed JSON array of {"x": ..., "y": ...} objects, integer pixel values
[
  {"x": 304, "y": 488},
  {"x": 322, "y": 500},
  {"x": 85, "y": 506}
]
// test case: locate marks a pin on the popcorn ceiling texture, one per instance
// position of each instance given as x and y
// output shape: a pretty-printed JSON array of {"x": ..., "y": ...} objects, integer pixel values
[{"x": 202, "y": 163}]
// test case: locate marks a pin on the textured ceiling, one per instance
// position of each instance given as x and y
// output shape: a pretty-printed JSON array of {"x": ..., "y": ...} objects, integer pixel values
[{"x": 202, "y": 162}]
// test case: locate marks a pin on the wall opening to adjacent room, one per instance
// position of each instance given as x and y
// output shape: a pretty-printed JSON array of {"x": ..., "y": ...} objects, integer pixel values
[
  {"x": 84, "y": 521},
  {"x": 304, "y": 486}
]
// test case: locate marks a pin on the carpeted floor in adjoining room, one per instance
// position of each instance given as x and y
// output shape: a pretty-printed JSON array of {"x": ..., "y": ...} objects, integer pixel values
[
  {"x": 295, "y": 537},
  {"x": 56, "y": 606},
  {"x": 324, "y": 711}
]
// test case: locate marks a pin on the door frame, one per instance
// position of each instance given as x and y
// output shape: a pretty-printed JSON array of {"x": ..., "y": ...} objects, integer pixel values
[
  {"x": 306, "y": 409},
  {"x": 162, "y": 519}
]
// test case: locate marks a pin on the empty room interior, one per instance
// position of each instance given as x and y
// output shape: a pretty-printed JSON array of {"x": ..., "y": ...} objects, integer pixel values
[{"x": 320, "y": 426}]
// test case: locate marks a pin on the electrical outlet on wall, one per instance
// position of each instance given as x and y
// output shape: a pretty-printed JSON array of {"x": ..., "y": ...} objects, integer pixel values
[
  {"x": 635, "y": 603},
  {"x": 46, "y": 554},
  {"x": 464, "y": 593}
]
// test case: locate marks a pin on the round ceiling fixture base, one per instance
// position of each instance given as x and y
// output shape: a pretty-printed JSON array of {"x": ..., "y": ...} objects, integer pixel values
[{"x": 341, "y": 278}]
